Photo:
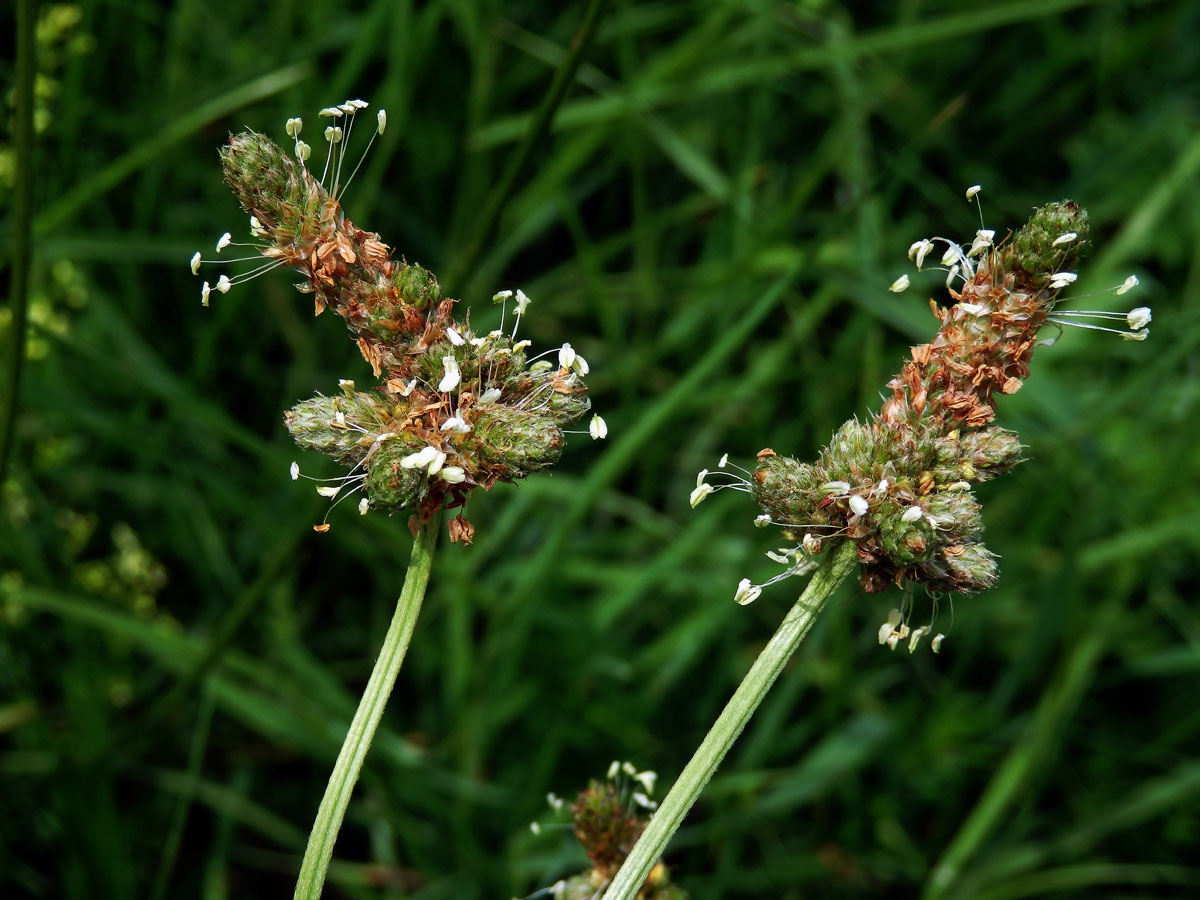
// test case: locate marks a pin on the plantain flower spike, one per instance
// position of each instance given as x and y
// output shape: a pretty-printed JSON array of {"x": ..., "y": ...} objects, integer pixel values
[
  {"x": 474, "y": 409},
  {"x": 900, "y": 485}
]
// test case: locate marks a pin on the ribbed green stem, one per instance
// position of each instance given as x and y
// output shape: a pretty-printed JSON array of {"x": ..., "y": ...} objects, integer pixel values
[
  {"x": 729, "y": 724},
  {"x": 366, "y": 718}
]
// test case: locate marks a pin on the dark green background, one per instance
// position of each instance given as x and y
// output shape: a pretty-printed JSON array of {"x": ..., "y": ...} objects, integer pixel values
[{"x": 713, "y": 221}]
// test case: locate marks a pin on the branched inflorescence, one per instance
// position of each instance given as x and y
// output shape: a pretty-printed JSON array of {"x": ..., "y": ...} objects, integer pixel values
[
  {"x": 899, "y": 486},
  {"x": 453, "y": 410}
]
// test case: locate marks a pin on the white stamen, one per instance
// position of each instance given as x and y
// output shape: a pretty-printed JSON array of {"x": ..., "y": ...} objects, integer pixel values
[
  {"x": 501, "y": 295},
  {"x": 701, "y": 491},
  {"x": 911, "y": 514},
  {"x": 522, "y": 303},
  {"x": 1137, "y": 335},
  {"x": 746, "y": 592},
  {"x": 331, "y": 111},
  {"x": 566, "y": 356},
  {"x": 520, "y": 345},
  {"x": 439, "y": 459},
  {"x": 205, "y": 290},
  {"x": 916, "y": 636},
  {"x": 1062, "y": 279},
  {"x": 294, "y": 469},
  {"x": 293, "y": 127},
  {"x": 918, "y": 251},
  {"x": 1064, "y": 238},
  {"x": 951, "y": 255},
  {"x": 951, "y": 274},
  {"x": 836, "y": 487},
  {"x": 762, "y": 521},
  {"x": 224, "y": 284},
  {"x": 858, "y": 505},
  {"x": 454, "y": 474},
  {"x": 936, "y": 644},
  {"x": 598, "y": 428},
  {"x": 196, "y": 263},
  {"x": 779, "y": 558},
  {"x": 455, "y": 338},
  {"x": 363, "y": 505},
  {"x": 303, "y": 151},
  {"x": 455, "y": 424},
  {"x": 900, "y": 284},
  {"x": 256, "y": 227},
  {"x": 1127, "y": 285},
  {"x": 329, "y": 491},
  {"x": 972, "y": 191},
  {"x": 1138, "y": 318},
  {"x": 380, "y": 121},
  {"x": 491, "y": 395},
  {"x": 224, "y": 241},
  {"x": 452, "y": 377}
]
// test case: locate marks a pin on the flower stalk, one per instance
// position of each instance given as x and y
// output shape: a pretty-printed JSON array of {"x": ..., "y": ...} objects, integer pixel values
[
  {"x": 366, "y": 718},
  {"x": 839, "y": 561}
]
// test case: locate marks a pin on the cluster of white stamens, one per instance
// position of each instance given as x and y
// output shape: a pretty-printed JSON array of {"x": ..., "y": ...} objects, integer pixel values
[
  {"x": 431, "y": 459},
  {"x": 895, "y": 630},
  {"x": 958, "y": 264}
]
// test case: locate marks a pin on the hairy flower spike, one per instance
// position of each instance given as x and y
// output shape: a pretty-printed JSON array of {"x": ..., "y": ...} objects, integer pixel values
[
  {"x": 453, "y": 410},
  {"x": 899, "y": 486}
]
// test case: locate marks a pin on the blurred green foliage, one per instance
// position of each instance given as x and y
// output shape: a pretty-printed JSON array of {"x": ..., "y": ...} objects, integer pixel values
[{"x": 713, "y": 220}]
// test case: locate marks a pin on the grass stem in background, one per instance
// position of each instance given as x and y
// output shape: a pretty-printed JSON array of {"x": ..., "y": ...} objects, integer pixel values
[
  {"x": 737, "y": 712},
  {"x": 22, "y": 224},
  {"x": 366, "y": 718}
]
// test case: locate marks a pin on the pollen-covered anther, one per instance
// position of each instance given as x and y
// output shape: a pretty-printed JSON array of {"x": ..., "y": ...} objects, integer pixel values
[
  {"x": 746, "y": 592},
  {"x": 1127, "y": 285},
  {"x": 919, "y": 250},
  {"x": 598, "y": 428},
  {"x": 899, "y": 285},
  {"x": 1062, "y": 279}
]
